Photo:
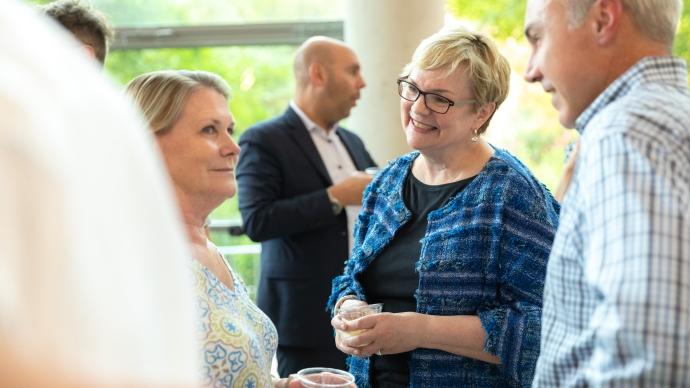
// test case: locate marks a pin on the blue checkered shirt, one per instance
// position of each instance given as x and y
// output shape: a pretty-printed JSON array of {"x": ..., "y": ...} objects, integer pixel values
[{"x": 617, "y": 294}]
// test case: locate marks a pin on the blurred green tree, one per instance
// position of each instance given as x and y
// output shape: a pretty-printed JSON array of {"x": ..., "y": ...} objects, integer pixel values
[
  {"x": 504, "y": 19},
  {"x": 537, "y": 138}
]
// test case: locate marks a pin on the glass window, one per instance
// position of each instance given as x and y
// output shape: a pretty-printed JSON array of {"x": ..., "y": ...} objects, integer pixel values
[{"x": 129, "y": 13}]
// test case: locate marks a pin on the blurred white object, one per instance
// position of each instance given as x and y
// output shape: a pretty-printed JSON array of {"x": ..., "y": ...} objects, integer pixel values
[
  {"x": 92, "y": 256},
  {"x": 372, "y": 170}
]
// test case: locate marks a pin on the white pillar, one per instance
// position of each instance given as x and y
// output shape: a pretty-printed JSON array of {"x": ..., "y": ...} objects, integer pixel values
[{"x": 384, "y": 34}]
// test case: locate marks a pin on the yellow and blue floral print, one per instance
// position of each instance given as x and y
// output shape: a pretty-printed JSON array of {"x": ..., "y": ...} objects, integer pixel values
[{"x": 238, "y": 339}]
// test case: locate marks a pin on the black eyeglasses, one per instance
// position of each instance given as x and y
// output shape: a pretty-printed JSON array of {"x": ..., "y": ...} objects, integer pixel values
[{"x": 435, "y": 102}]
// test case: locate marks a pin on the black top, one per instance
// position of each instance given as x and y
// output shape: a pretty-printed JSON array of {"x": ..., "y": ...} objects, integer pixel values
[{"x": 391, "y": 277}]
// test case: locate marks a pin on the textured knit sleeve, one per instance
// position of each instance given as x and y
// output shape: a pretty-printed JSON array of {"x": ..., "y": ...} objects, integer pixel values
[
  {"x": 342, "y": 285},
  {"x": 513, "y": 320},
  {"x": 345, "y": 284}
]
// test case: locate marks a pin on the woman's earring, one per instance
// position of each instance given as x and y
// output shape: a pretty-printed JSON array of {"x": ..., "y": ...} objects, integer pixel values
[{"x": 475, "y": 138}]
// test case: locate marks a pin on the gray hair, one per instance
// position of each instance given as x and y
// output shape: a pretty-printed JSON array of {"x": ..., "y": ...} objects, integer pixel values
[{"x": 656, "y": 19}]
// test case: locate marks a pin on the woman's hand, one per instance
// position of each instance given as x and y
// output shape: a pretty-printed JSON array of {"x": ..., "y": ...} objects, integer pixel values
[
  {"x": 284, "y": 383},
  {"x": 289, "y": 382},
  {"x": 384, "y": 333}
]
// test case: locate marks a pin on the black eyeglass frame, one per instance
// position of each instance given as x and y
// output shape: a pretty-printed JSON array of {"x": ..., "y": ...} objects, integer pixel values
[{"x": 420, "y": 92}]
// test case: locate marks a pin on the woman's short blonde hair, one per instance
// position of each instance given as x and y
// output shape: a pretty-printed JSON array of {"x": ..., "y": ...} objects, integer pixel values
[
  {"x": 161, "y": 95},
  {"x": 453, "y": 48}
]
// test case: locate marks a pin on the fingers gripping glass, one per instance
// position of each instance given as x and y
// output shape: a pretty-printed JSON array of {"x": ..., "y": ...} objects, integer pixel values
[{"x": 435, "y": 102}]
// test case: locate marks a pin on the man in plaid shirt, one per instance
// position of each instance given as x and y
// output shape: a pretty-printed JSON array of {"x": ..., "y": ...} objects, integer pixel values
[{"x": 617, "y": 294}]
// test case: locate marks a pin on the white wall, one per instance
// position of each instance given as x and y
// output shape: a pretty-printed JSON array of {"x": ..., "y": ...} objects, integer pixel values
[{"x": 384, "y": 33}]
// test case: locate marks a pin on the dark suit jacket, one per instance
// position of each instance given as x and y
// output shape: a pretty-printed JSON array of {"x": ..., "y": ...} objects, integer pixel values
[{"x": 284, "y": 205}]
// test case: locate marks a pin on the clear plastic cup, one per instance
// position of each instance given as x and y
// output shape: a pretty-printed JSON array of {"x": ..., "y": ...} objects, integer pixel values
[
  {"x": 349, "y": 314},
  {"x": 325, "y": 377}
]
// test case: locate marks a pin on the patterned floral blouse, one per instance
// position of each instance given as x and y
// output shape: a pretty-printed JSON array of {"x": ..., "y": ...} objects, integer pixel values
[{"x": 238, "y": 339}]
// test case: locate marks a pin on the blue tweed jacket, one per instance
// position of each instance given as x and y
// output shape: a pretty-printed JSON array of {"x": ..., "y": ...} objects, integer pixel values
[{"x": 484, "y": 253}]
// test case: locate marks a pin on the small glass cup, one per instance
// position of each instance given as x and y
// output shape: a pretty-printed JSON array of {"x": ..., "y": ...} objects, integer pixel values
[
  {"x": 325, "y": 377},
  {"x": 349, "y": 314}
]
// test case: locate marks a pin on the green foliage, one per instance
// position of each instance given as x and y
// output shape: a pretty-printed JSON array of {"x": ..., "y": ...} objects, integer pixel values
[
  {"x": 123, "y": 13},
  {"x": 504, "y": 19},
  {"x": 248, "y": 267},
  {"x": 500, "y": 18},
  {"x": 260, "y": 79},
  {"x": 538, "y": 140},
  {"x": 681, "y": 46},
  {"x": 184, "y": 12}
]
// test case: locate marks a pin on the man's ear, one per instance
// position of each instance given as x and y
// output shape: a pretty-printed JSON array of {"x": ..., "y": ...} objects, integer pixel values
[
  {"x": 317, "y": 74},
  {"x": 608, "y": 15},
  {"x": 89, "y": 50}
]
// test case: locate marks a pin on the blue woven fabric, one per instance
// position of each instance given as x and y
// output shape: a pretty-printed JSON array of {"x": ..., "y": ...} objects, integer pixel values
[{"x": 484, "y": 253}]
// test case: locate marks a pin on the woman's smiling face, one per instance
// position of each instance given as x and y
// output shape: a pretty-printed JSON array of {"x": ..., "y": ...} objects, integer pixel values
[{"x": 430, "y": 132}]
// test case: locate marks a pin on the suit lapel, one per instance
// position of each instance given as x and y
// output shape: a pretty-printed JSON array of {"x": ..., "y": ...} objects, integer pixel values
[
  {"x": 303, "y": 139},
  {"x": 351, "y": 149}
]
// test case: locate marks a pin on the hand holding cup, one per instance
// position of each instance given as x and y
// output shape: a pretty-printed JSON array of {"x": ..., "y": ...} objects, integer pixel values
[{"x": 350, "y": 314}]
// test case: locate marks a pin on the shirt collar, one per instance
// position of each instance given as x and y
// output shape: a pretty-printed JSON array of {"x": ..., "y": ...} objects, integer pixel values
[
  {"x": 308, "y": 123},
  {"x": 667, "y": 70}
]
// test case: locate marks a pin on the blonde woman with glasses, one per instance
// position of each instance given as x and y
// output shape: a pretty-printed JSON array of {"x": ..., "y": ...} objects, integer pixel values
[{"x": 452, "y": 238}]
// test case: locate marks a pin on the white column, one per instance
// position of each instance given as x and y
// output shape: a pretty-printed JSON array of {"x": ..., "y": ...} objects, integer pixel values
[{"x": 384, "y": 34}]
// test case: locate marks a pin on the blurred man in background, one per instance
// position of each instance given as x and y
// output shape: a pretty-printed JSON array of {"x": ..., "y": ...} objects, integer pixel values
[
  {"x": 300, "y": 185},
  {"x": 86, "y": 24}
]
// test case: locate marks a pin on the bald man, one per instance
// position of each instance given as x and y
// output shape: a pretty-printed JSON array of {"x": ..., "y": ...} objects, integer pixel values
[{"x": 300, "y": 185}]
